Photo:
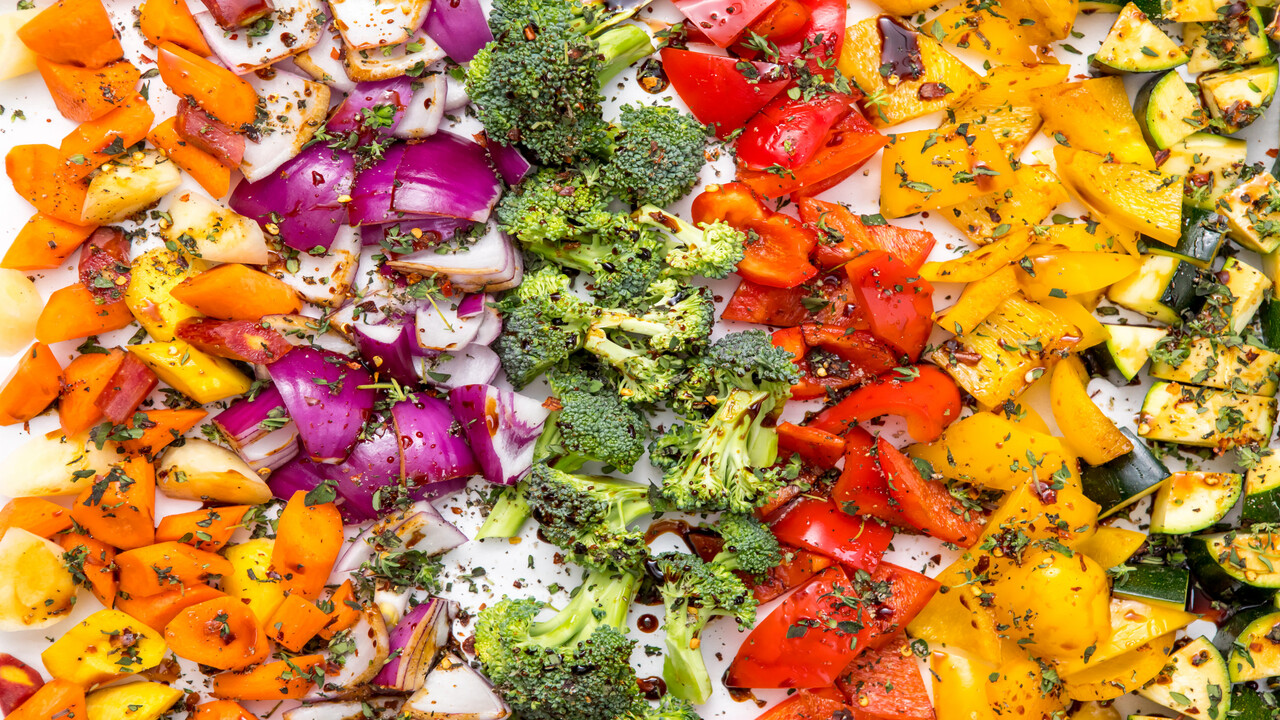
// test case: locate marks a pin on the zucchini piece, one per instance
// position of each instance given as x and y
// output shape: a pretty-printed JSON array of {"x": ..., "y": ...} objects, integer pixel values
[
  {"x": 1248, "y": 286},
  {"x": 1242, "y": 368},
  {"x": 1154, "y": 584},
  {"x": 1168, "y": 111},
  {"x": 1195, "y": 682},
  {"x": 1235, "y": 40},
  {"x": 1187, "y": 11},
  {"x": 1116, "y": 484},
  {"x": 1251, "y": 703},
  {"x": 1269, "y": 314},
  {"x": 1235, "y": 567},
  {"x": 1203, "y": 232},
  {"x": 1236, "y": 98},
  {"x": 1205, "y": 417},
  {"x": 1136, "y": 45},
  {"x": 1251, "y": 212},
  {"x": 1210, "y": 165},
  {"x": 1255, "y": 652},
  {"x": 1129, "y": 346},
  {"x": 1262, "y": 491},
  {"x": 1161, "y": 289},
  {"x": 1193, "y": 501}
]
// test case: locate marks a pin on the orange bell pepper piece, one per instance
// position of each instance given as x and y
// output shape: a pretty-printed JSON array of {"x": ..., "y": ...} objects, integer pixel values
[
  {"x": 97, "y": 564},
  {"x": 202, "y": 529},
  {"x": 818, "y": 447},
  {"x": 217, "y": 90},
  {"x": 295, "y": 622},
  {"x": 34, "y": 386},
  {"x": 237, "y": 292},
  {"x": 160, "y": 428},
  {"x": 76, "y": 32},
  {"x": 221, "y": 633},
  {"x": 156, "y": 611},
  {"x": 73, "y": 312},
  {"x": 44, "y": 243},
  {"x": 221, "y": 709},
  {"x": 119, "y": 508},
  {"x": 82, "y": 382},
  {"x": 163, "y": 21},
  {"x": 84, "y": 94},
  {"x": 308, "y": 540},
  {"x": 35, "y": 515},
  {"x": 280, "y": 680},
  {"x": 342, "y": 608},
  {"x": 36, "y": 173},
  {"x": 157, "y": 568},
  {"x": 206, "y": 169},
  {"x": 55, "y": 700},
  {"x": 92, "y": 144}
]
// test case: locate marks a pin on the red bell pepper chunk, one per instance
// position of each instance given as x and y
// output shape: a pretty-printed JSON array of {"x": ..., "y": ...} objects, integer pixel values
[
  {"x": 809, "y": 705},
  {"x": 796, "y": 567},
  {"x": 788, "y": 133},
  {"x": 778, "y": 246},
  {"x": 862, "y": 489},
  {"x": 722, "y": 21},
  {"x": 819, "y": 447},
  {"x": 908, "y": 245},
  {"x": 897, "y": 302},
  {"x": 911, "y": 591},
  {"x": 843, "y": 236},
  {"x": 717, "y": 91},
  {"x": 886, "y": 683},
  {"x": 819, "y": 525},
  {"x": 867, "y": 356},
  {"x": 104, "y": 264},
  {"x": 808, "y": 640},
  {"x": 846, "y": 146},
  {"x": 764, "y": 305},
  {"x": 812, "y": 29},
  {"x": 926, "y": 397},
  {"x": 810, "y": 386},
  {"x": 926, "y": 503}
]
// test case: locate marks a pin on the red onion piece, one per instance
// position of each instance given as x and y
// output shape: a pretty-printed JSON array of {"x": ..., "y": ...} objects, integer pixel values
[
  {"x": 459, "y": 27},
  {"x": 473, "y": 365},
  {"x": 431, "y": 231},
  {"x": 359, "y": 664},
  {"x": 128, "y": 387},
  {"x": 210, "y": 135},
  {"x": 501, "y": 426},
  {"x": 490, "y": 263},
  {"x": 272, "y": 450},
  {"x": 490, "y": 327},
  {"x": 446, "y": 175},
  {"x": 416, "y": 643},
  {"x": 426, "y": 531},
  {"x": 455, "y": 690},
  {"x": 371, "y": 193},
  {"x": 232, "y": 14},
  {"x": 425, "y": 111},
  {"x": 350, "y": 115},
  {"x": 242, "y": 422},
  {"x": 390, "y": 350},
  {"x": 374, "y": 463},
  {"x": 431, "y": 442},
  {"x": 510, "y": 163},
  {"x": 301, "y": 198},
  {"x": 323, "y": 394},
  {"x": 441, "y": 326}
]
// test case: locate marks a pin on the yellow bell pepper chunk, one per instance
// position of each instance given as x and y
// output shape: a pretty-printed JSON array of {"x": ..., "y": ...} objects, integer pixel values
[
  {"x": 1077, "y": 237},
  {"x": 154, "y": 274},
  {"x": 931, "y": 169},
  {"x": 1073, "y": 273},
  {"x": 1065, "y": 515},
  {"x": 86, "y": 655},
  {"x": 250, "y": 580},
  {"x": 1072, "y": 309},
  {"x": 981, "y": 262},
  {"x": 1016, "y": 84},
  {"x": 1094, "y": 115},
  {"x": 1111, "y": 546},
  {"x": 1035, "y": 194},
  {"x": 978, "y": 300},
  {"x": 1087, "y": 429},
  {"x": 1129, "y": 196},
  {"x": 985, "y": 27},
  {"x": 1133, "y": 623},
  {"x": 992, "y": 451},
  {"x": 194, "y": 373},
  {"x": 955, "y": 616},
  {"x": 134, "y": 701},
  {"x": 1018, "y": 691},
  {"x": 1121, "y": 674}
]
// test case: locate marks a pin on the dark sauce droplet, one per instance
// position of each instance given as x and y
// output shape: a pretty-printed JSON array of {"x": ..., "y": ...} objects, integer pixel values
[
  {"x": 652, "y": 77},
  {"x": 899, "y": 50},
  {"x": 652, "y": 687},
  {"x": 743, "y": 695},
  {"x": 647, "y": 623}
]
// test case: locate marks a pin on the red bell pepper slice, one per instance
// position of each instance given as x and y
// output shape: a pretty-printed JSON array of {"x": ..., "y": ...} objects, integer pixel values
[
  {"x": 812, "y": 29},
  {"x": 810, "y": 386},
  {"x": 764, "y": 305},
  {"x": 846, "y": 146},
  {"x": 818, "y": 525},
  {"x": 843, "y": 236},
  {"x": 808, "y": 640},
  {"x": 867, "y": 356},
  {"x": 818, "y": 447},
  {"x": 796, "y": 567},
  {"x": 809, "y": 705},
  {"x": 717, "y": 91},
  {"x": 722, "y": 21},
  {"x": 787, "y": 133},
  {"x": 778, "y": 246},
  {"x": 911, "y": 592},
  {"x": 897, "y": 302},
  {"x": 908, "y": 245},
  {"x": 862, "y": 489},
  {"x": 886, "y": 683},
  {"x": 926, "y": 397},
  {"x": 926, "y": 503}
]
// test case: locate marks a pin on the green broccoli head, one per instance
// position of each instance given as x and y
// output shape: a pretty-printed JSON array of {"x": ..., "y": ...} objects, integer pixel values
[
  {"x": 722, "y": 462},
  {"x": 592, "y": 427},
  {"x": 657, "y": 153},
  {"x": 712, "y": 250},
  {"x": 623, "y": 257},
  {"x": 645, "y": 376},
  {"x": 554, "y": 206},
  {"x": 693, "y": 592},
  {"x": 686, "y": 311},
  {"x": 589, "y": 516},
  {"x": 746, "y": 360},
  {"x": 669, "y": 708},
  {"x": 749, "y": 545},
  {"x": 543, "y": 324}
]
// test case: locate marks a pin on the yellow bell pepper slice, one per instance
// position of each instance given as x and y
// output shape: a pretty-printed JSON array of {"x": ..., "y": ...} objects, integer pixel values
[
  {"x": 1095, "y": 115},
  {"x": 1037, "y": 515},
  {"x": 154, "y": 274},
  {"x": 1034, "y": 195},
  {"x": 931, "y": 169},
  {"x": 1087, "y": 429},
  {"x": 250, "y": 580},
  {"x": 991, "y": 451},
  {"x": 1133, "y": 623},
  {"x": 956, "y": 617},
  {"x": 1072, "y": 310},
  {"x": 1016, "y": 84},
  {"x": 1121, "y": 674},
  {"x": 1072, "y": 273},
  {"x": 982, "y": 26},
  {"x": 134, "y": 701},
  {"x": 1127, "y": 195},
  {"x": 194, "y": 373},
  {"x": 981, "y": 262},
  {"x": 1077, "y": 237},
  {"x": 1111, "y": 546},
  {"x": 978, "y": 300}
]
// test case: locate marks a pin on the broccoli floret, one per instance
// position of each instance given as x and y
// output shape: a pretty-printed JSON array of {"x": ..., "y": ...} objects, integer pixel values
[
  {"x": 589, "y": 516},
  {"x": 669, "y": 708},
  {"x": 574, "y": 666},
  {"x": 645, "y": 377},
  {"x": 543, "y": 324},
  {"x": 657, "y": 153},
  {"x": 749, "y": 545},
  {"x": 722, "y": 462},
  {"x": 693, "y": 592},
  {"x": 591, "y": 426},
  {"x": 538, "y": 83},
  {"x": 506, "y": 516},
  {"x": 554, "y": 206},
  {"x": 712, "y": 250},
  {"x": 746, "y": 360},
  {"x": 623, "y": 256}
]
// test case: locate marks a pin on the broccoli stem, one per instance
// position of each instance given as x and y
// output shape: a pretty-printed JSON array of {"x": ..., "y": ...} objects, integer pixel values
[
  {"x": 602, "y": 599},
  {"x": 619, "y": 47},
  {"x": 683, "y": 667},
  {"x": 506, "y": 517}
]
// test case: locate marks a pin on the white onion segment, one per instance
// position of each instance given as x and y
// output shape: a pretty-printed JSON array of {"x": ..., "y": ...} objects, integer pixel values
[
  {"x": 293, "y": 29},
  {"x": 325, "y": 280},
  {"x": 368, "y": 24},
  {"x": 455, "y": 691},
  {"x": 295, "y": 108},
  {"x": 425, "y": 111},
  {"x": 384, "y": 707},
  {"x": 392, "y": 61},
  {"x": 323, "y": 61}
]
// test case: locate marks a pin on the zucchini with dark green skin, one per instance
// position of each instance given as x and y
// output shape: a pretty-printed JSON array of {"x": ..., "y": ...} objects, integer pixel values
[
  {"x": 1203, "y": 233},
  {"x": 1253, "y": 641},
  {"x": 1154, "y": 584},
  {"x": 1235, "y": 567},
  {"x": 1194, "y": 682},
  {"x": 1262, "y": 492},
  {"x": 1161, "y": 289},
  {"x": 1193, "y": 501},
  {"x": 1269, "y": 315},
  {"x": 1125, "y": 480},
  {"x": 1236, "y": 40},
  {"x": 1236, "y": 98},
  {"x": 1128, "y": 348},
  {"x": 1205, "y": 417},
  {"x": 1167, "y": 110},
  {"x": 1210, "y": 362},
  {"x": 1136, "y": 45},
  {"x": 1249, "y": 702}
]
